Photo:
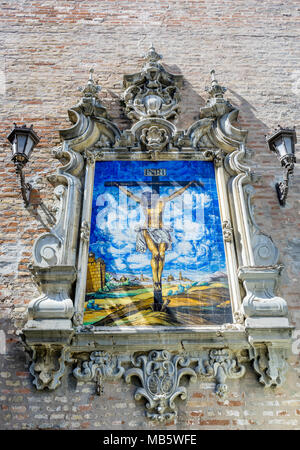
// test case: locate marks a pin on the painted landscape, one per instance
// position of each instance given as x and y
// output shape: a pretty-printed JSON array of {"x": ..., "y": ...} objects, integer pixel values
[{"x": 129, "y": 303}]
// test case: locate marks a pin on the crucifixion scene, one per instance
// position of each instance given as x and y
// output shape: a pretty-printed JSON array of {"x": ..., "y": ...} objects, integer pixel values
[{"x": 156, "y": 246}]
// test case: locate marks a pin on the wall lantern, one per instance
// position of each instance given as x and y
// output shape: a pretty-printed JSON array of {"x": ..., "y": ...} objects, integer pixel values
[
  {"x": 282, "y": 142},
  {"x": 23, "y": 140}
]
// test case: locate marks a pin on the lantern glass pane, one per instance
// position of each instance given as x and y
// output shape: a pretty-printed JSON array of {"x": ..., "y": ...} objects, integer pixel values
[
  {"x": 288, "y": 145},
  {"x": 21, "y": 138},
  {"x": 279, "y": 145},
  {"x": 29, "y": 146},
  {"x": 14, "y": 146}
]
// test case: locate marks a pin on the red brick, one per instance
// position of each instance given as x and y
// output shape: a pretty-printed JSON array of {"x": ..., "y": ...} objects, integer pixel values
[{"x": 215, "y": 422}]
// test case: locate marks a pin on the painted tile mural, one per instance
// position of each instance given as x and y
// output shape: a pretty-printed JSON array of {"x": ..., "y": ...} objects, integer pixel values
[{"x": 156, "y": 254}]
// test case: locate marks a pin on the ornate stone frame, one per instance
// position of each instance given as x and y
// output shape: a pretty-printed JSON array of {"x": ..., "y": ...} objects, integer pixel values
[{"x": 161, "y": 359}]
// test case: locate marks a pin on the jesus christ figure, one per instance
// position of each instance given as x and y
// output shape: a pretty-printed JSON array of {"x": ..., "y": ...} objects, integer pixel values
[{"x": 153, "y": 234}]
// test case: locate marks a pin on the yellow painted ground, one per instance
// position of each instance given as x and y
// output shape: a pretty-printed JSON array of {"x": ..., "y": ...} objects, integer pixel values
[{"x": 137, "y": 310}]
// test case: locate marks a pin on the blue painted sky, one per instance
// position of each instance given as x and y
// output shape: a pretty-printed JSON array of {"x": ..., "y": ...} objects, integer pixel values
[{"x": 193, "y": 217}]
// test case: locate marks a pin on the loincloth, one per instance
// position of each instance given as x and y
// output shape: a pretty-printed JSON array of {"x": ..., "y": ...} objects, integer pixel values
[{"x": 158, "y": 236}]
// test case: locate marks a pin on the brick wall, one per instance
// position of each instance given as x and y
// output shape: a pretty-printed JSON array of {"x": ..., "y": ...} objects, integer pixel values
[{"x": 48, "y": 48}]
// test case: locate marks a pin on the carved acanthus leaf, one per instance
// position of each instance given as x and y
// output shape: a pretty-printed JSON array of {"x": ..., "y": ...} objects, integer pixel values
[
  {"x": 239, "y": 317},
  {"x": 104, "y": 141},
  {"x": 181, "y": 139},
  {"x": 77, "y": 319}
]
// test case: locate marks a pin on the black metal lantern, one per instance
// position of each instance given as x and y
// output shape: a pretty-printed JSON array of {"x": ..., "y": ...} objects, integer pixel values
[
  {"x": 23, "y": 140},
  {"x": 282, "y": 142}
]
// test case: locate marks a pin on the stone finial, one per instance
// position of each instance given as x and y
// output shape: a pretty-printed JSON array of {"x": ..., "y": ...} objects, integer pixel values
[
  {"x": 215, "y": 90},
  {"x": 152, "y": 56},
  {"x": 89, "y": 103},
  {"x": 91, "y": 89},
  {"x": 216, "y": 105}
]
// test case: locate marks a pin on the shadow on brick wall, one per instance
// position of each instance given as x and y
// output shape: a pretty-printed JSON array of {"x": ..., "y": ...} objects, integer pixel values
[{"x": 257, "y": 129}]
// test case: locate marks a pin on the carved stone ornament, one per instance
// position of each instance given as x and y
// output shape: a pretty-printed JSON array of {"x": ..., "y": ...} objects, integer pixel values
[
  {"x": 227, "y": 230},
  {"x": 154, "y": 138},
  {"x": 260, "y": 304},
  {"x": 270, "y": 362},
  {"x": 55, "y": 334},
  {"x": 221, "y": 364},
  {"x": 89, "y": 103},
  {"x": 160, "y": 374},
  {"x": 216, "y": 105},
  {"x": 85, "y": 231},
  {"x": 100, "y": 366},
  {"x": 153, "y": 92},
  {"x": 48, "y": 366}
]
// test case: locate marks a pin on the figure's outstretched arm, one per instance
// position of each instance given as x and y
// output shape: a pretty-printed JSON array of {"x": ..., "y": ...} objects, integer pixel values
[
  {"x": 130, "y": 194},
  {"x": 181, "y": 190}
]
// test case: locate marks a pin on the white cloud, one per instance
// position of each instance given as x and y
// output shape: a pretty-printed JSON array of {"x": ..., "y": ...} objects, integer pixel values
[
  {"x": 170, "y": 256},
  {"x": 187, "y": 259},
  {"x": 138, "y": 260},
  {"x": 184, "y": 248},
  {"x": 119, "y": 264},
  {"x": 127, "y": 249},
  {"x": 202, "y": 250},
  {"x": 192, "y": 230},
  {"x": 122, "y": 235},
  {"x": 205, "y": 200}
]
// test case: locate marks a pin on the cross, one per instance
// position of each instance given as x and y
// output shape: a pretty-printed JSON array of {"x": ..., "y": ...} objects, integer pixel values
[
  {"x": 155, "y": 185},
  {"x": 155, "y": 182}
]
